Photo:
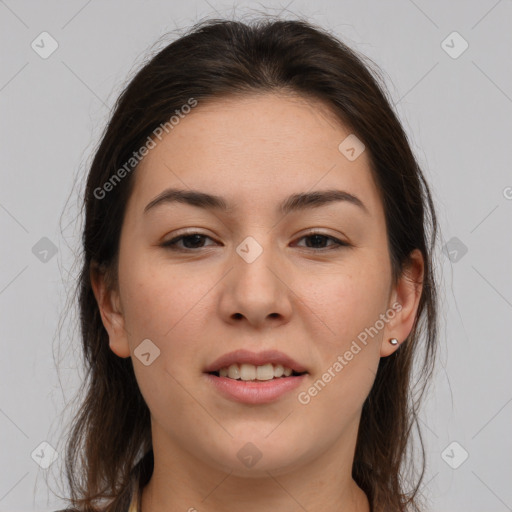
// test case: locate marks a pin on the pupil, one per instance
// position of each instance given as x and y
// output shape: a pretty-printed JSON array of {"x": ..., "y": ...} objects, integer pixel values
[
  {"x": 317, "y": 238},
  {"x": 197, "y": 238}
]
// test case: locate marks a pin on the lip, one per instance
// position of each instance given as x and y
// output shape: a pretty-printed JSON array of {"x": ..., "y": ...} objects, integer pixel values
[
  {"x": 255, "y": 392},
  {"x": 257, "y": 359}
]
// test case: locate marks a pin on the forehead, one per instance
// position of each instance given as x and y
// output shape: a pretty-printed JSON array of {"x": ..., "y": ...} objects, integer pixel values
[{"x": 254, "y": 150}]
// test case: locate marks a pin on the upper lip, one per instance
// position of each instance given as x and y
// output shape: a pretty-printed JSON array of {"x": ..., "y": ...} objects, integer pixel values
[{"x": 257, "y": 359}]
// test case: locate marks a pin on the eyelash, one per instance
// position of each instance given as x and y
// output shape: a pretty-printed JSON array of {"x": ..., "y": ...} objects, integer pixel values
[{"x": 171, "y": 244}]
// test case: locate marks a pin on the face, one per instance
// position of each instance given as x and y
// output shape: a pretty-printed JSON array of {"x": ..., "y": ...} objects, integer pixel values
[{"x": 311, "y": 282}]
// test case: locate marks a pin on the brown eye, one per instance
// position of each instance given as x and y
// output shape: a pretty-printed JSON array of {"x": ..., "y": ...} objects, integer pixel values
[
  {"x": 190, "y": 241},
  {"x": 194, "y": 241},
  {"x": 318, "y": 239}
]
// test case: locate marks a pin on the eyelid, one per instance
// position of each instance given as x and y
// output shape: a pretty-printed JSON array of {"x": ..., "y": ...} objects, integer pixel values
[
  {"x": 337, "y": 242},
  {"x": 180, "y": 235}
]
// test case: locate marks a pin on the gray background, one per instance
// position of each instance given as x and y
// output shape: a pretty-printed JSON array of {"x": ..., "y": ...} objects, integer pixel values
[{"x": 457, "y": 113}]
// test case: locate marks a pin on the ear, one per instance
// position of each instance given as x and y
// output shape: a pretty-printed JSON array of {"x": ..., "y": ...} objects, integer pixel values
[
  {"x": 404, "y": 300},
  {"x": 107, "y": 297}
]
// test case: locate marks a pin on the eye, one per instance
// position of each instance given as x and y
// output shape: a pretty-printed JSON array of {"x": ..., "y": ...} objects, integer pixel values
[
  {"x": 190, "y": 240},
  {"x": 319, "y": 238},
  {"x": 194, "y": 240}
]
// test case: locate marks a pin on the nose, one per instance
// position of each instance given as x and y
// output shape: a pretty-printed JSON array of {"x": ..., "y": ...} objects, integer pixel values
[{"x": 255, "y": 290}]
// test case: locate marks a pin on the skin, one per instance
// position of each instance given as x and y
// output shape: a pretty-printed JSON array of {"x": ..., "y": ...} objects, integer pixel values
[{"x": 308, "y": 301}]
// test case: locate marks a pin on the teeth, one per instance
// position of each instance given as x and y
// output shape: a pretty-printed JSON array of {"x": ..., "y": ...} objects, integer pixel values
[
  {"x": 233, "y": 372},
  {"x": 265, "y": 372},
  {"x": 246, "y": 371},
  {"x": 278, "y": 370}
]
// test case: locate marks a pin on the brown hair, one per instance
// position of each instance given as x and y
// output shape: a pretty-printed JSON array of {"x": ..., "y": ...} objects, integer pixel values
[{"x": 109, "y": 448}]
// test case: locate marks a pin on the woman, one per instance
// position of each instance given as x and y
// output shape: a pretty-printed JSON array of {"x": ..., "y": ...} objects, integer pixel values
[{"x": 257, "y": 265}]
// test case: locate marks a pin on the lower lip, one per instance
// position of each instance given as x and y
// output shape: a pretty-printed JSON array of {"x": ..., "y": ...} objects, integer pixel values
[{"x": 255, "y": 392}]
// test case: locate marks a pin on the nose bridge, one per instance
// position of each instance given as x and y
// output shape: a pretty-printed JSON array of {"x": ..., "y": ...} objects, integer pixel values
[
  {"x": 255, "y": 289},
  {"x": 254, "y": 256}
]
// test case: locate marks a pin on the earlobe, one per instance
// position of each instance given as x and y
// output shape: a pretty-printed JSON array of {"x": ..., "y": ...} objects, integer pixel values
[
  {"x": 406, "y": 294},
  {"x": 389, "y": 346},
  {"x": 110, "y": 310}
]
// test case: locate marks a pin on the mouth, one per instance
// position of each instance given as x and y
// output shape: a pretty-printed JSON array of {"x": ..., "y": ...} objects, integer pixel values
[
  {"x": 252, "y": 373},
  {"x": 255, "y": 378},
  {"x": 251, "y": 366}
]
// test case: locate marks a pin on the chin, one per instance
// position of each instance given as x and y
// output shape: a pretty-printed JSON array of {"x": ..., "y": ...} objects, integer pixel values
[{"x": 256, "y": 456}]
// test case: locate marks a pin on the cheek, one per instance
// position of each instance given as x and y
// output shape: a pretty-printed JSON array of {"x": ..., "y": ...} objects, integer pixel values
[
  {"x": 171, "y": 305},
  {"x": 167, "y": 306},
  {"x": 349, "y": 304},
  {"x": 334, "y": 399},
  {"x": 348, "y": 301},
  {"x": 159, "y": 300}
]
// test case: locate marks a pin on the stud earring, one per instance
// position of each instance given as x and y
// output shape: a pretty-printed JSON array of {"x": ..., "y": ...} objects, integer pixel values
[{"x": 393, "y": 341}]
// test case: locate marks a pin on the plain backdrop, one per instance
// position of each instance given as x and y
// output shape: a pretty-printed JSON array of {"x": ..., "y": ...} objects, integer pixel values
[{"x": 447, "y": 66}]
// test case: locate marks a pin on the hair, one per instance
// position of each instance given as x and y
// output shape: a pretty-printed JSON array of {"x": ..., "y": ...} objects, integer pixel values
[{"x": 109, "y": 448}]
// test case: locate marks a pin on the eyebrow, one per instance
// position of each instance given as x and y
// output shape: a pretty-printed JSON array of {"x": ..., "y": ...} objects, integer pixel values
[{"x": 294, "y": 202}]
